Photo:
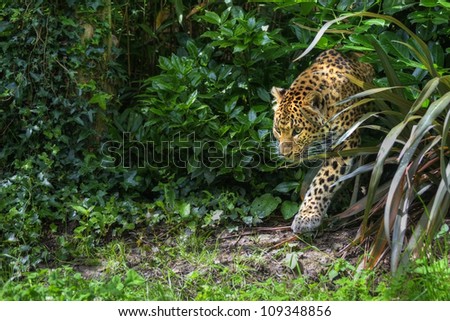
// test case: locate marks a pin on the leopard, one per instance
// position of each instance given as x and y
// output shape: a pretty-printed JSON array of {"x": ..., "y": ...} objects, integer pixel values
[{"x": 310, "y": 117}]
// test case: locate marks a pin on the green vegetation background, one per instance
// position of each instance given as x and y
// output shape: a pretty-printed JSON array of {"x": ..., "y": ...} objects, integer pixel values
[{"x": 122, "y": 117}]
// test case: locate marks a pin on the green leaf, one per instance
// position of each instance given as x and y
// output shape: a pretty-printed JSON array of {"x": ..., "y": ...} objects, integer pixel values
[
  {"x": 263, "y": 94},
  {"x": 67, "y": 22},
  {"x": 192, "y": 48},
  {"x": 444, "y": 3},
  {"x": 179, "y": 8},
  {"x": 158, "y": 112},
  {"x": 239, "y": 47},
  {"x": 184, "y": 209},
  {"x": 429, "y": 3},
  {"x": 147, "y": 29},
  {"x": 289, "y": 209},
  {"x": 286, "y": 187},
  {"x": 252, "y": 116},
  {"x": 211, "y": 17},
  {"x": 376, "y": 22},
  {"x": 191, "y": 99},
  {"x": 264, "y": 205},
  {"x": 100, "y": 99},
  {"x": 80, "y": 209},
  {"x": 134, "y": 278},
  {"x": 231, "y": 104},
  {"x": 291, "y": 260}
]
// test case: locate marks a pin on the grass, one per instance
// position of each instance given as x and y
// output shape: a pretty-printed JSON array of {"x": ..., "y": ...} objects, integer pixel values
[{"x": 194, "y": 268}]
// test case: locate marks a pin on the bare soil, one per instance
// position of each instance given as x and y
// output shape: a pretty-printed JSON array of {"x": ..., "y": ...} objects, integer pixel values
[
  {"x": 271, "y": 246},
  {"x": 314, "y": 255}
]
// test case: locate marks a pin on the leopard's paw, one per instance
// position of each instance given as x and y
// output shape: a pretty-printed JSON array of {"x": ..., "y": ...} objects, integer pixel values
[{"x": 306, "y": 222}]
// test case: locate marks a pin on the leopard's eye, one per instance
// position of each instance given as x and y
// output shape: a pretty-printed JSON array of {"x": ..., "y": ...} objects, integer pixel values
[{"x": 296, "y": 132}]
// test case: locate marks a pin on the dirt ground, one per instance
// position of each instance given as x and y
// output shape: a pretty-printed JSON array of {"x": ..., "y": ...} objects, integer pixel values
[
  {"x": 272, "y": 246},
  {"x": 313, "y": 255}
]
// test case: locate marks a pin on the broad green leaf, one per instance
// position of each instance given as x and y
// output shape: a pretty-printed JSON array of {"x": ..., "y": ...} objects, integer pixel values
[
  {"x": 252, "y": 116},
  {"x": 100, "y": 99},
  {"x": 179, "y": 8},
  {"x": 286, "y": 187},
  {"x": 263, "y": 94},
  {"x": 134, "y": 278},
  {"x": 158, "y": 112},
  {"x": 80, "y": 209},
  {"x": 264, "y": 205},
  {"x": 147, "y": 29},
  {"x": 444, "y": 3},
  {"x": 429, "y": 3},
  {"x": 239, "y": 47},
  {"x": 291, "y": 260},
  {"x": 184, "y": 209},
  {"x": 192, "y": 48},
  {"x": 289, "y": 209},
  {"x": 191, "y": 99},
  {"x": 211, "y": 17},
  {"x": 376, "y": 22},
  {"x": 231, "y": 104}
]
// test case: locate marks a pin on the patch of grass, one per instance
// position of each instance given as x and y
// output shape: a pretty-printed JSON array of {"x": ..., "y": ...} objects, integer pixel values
[
  {"x": 191, "y": 268},
  {"x": 426, "y": 280},
  {"x": 66, "y": 284}
]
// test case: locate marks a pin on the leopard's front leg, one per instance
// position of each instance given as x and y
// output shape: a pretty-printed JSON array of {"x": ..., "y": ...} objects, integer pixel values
[{"x": 319, "y": 195}]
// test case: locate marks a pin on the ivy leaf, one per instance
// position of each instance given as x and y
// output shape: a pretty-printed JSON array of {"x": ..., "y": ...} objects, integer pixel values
[
  {"x": 100, "y": 99},
  {"x": 184, "y": 209}
]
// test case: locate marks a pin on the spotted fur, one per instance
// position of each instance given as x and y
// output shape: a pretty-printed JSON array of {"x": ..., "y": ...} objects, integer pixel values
[{"x": 304, "y": 126}]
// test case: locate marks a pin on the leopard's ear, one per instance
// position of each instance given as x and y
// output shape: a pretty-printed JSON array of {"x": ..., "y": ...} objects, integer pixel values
[
  {"x": 312, "y": 109},
  {"x": 278, "y": 94},
  {"x": 315, "y": 99}
]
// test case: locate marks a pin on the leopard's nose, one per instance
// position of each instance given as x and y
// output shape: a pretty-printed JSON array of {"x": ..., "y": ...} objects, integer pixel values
[{"x": 285, "y": 148}]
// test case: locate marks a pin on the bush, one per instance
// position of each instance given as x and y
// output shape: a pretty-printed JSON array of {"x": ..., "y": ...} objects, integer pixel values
[{"x": 50, "y": 119}]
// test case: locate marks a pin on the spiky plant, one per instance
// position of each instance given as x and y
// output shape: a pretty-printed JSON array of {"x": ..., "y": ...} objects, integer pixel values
[{"x": 406, "y": 210}]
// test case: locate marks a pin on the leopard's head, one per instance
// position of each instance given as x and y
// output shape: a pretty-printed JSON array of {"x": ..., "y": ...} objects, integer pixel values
[{"x": 298, "y": 125}]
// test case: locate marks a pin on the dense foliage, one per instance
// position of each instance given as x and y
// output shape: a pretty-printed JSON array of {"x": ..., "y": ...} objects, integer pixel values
[{"x": 118, "y": 116}]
